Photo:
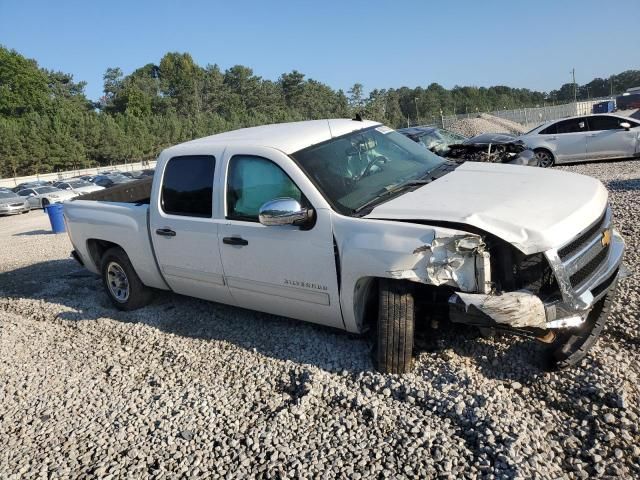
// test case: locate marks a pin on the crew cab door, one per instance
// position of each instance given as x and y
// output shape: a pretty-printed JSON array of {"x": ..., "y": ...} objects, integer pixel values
[
  {"x": 183, "y": 230},
  {"x": 607, "y": 139},
  {"x": 284, "y": 270}
]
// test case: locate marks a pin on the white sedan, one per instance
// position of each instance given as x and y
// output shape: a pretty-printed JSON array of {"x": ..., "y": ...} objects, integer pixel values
[
  {"x": 584, "y": 138},
  {"x": 40, "y": 197},
  {"x": 78, "y": 186}
]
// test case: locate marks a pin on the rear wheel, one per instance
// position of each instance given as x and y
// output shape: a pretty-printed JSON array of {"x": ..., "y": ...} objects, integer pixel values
[
  {"x": 570, "y": 347},
  {"x": 396, "y": 320},
  {"x": 124, "y": 287},
  {"x": 545, "y": 158}
]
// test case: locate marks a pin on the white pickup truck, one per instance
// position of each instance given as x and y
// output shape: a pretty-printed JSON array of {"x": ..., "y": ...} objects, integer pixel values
[{"x": 349, "y": 224}]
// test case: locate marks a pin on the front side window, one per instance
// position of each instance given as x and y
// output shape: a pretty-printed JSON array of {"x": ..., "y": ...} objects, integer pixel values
[
  {"x": 187, "y": 186},
  {"x": 357, "y": 168},
  {"x": 42, "y": 190},
  {"x": 253, "y": 181},
  {"x": 573, "y": 125},
  {"x": 604, "y": 122},
  {"x": 26, "y": 193}
]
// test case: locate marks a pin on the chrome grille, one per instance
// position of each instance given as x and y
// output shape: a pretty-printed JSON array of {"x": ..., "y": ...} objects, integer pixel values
[
  {"x": 584, "y": 238},
  {"x": 17, "y": 204}
]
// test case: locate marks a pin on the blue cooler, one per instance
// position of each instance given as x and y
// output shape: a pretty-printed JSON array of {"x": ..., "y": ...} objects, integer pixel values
[{"x": 54, "y": 210}]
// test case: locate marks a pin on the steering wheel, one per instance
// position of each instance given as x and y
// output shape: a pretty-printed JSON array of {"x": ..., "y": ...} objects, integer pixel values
[{"x": 375, "y": 161}]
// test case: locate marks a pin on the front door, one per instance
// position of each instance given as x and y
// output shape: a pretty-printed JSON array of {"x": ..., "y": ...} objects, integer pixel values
[
  {"x": 184, "y": 232},
  {"x": 284, "y": 270}
]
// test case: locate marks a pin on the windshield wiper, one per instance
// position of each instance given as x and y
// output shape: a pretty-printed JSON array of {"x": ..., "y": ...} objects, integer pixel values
[
  {"x": 389, "y": 191},
  {"x": 430, "y": 176}
]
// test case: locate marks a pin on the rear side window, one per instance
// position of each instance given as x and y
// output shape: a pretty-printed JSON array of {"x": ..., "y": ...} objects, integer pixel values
[
  {"x": 572, "y": 125},
  {"x": 187, "y": 186},
  {"x": 550, "y": 130},
  {"x": 253, "y": 181},
  {"x": 603, "y": 122}
]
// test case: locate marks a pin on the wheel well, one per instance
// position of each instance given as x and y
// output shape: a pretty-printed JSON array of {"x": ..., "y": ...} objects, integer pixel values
[
  {"x": 96, "y": 249},
  {"x": 544, "y": 149}
]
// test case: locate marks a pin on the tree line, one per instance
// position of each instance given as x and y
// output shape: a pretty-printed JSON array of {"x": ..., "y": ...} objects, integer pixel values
[{"x": 47, "y": 123}]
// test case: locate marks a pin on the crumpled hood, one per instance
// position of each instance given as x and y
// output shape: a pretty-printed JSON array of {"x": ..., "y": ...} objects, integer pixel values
[{"x": 534, "y": 209}]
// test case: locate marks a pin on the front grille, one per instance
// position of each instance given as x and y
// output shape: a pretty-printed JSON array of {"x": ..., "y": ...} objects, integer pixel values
[
  {"x": 583, "y": 239},
  {"x": 589, "y": 269},
  {"x": 17, "y": 204}
]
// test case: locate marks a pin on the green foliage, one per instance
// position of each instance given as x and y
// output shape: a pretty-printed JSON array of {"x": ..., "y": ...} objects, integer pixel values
[{"x": 47, "y": 124}]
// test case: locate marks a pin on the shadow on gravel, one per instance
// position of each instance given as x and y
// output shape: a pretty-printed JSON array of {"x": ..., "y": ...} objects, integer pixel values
[
  {"x": 33, "y": 232},
  {"x": 65, "y": 283},
  {"x": 624, "y": 185}
]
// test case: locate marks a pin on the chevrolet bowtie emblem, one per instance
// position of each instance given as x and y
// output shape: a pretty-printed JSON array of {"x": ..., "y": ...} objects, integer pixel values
[{"x": 606, "y": 238}]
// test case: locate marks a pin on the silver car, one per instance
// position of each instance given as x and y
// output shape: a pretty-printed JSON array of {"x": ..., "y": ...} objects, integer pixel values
[
  {"x": 40, "y": 197},
  {"x": 11, "y": 203},
  {"x": 584, "y": 138}
]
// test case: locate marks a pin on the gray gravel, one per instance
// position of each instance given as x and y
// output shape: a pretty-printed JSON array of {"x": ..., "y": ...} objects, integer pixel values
[
  {"x": 186, "y": 387},
  {"x": 485, "y": 123}
]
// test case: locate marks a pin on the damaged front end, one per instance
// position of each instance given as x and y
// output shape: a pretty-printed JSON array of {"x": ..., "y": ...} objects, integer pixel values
[
  {"x": 537, "y": 295},
  {"x": 493, "y": 148}
]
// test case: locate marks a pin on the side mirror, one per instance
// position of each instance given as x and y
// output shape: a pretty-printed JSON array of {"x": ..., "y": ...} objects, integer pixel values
[
  {"x": 625, "y": 125},
  {"x": 32, "y": 194},
  {"x": 283, "y": 211}
]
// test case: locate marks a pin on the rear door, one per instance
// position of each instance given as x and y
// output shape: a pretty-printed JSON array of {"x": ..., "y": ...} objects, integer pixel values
[
  {"x": 284, "y": 270},
  {"x": 570, "y": 140},
  {"x": 183, "y": 231},
  {"x": 607, "y": 139}
]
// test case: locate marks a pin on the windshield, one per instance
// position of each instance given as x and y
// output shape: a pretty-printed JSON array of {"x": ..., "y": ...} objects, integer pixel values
[
  {"x": 46, "y": 189},
  {"x": 352, "y": 170}
]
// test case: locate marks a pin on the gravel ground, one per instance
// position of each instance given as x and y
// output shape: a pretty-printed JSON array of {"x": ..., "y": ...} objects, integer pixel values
[
  {"x": 189, "y": 388},
  {"x": 485, "y": 123}
]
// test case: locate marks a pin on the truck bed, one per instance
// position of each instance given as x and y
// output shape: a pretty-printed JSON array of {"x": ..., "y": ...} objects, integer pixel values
[{"x": 138, "y": 191}]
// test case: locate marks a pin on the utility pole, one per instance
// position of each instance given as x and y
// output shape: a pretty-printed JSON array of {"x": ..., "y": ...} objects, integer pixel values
[
  {"x": 575, "y": 94},
  {"x": 611, "y": 84},
  {"x": 417, "y": 113}
]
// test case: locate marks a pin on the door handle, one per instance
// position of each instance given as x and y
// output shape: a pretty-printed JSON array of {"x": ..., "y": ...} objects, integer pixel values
[
  {"x": 553, "y": 138},
  {"x": 165, "y": 232},
  {"x": 593, "y": 134},
  {"x": 235, "y": 241}
]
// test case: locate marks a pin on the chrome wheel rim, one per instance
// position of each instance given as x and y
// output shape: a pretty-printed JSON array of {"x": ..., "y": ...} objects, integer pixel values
[
  {"x": 117, "y": 282},
  {"x": 544, "y": 159}
]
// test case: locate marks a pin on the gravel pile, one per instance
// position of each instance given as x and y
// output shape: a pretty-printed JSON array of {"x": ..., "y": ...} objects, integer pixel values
[
  {"x": 189, "y": 388},
  {"x": 485, "y": 123}
]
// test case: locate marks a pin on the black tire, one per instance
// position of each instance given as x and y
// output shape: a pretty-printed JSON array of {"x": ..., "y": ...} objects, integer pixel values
[
  {"x": 138, "y": 295},
  {"x": 396, "y": 320},
  {"x": 569, "y": 348},
  {"x": 545, "y": 158}
]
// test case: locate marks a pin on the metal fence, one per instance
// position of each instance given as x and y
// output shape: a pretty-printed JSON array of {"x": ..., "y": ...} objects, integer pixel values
[{"x": 533, "y": 116}]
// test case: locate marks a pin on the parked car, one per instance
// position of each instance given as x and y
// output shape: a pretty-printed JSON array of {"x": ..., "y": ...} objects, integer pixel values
[
  {"x": 435, "y": 139},
  {"x": 352, "y": 225},
  {"x": 11, "y": 203},
  {"x": 40, "y": 197},
  {"x": 77, "y": 186},
  {"x": 488, "y": 147},
  {"x": 110, "y": 180},
  {"x": 584, "y": 138},
  {"x": 32, "y": 184}
]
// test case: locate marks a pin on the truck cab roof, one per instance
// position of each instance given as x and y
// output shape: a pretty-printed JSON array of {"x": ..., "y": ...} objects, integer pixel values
[{"x": 286, "y": 137}]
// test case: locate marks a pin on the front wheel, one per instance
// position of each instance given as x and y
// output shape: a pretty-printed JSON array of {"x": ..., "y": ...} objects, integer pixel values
[
  {"x": 396, "y": 320},
  {"x": 125, "y": 289},
  {"x": 545, "y": 159}
]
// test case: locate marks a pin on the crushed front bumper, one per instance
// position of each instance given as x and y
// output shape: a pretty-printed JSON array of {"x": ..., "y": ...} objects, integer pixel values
[{"x": 585, "y": 270}]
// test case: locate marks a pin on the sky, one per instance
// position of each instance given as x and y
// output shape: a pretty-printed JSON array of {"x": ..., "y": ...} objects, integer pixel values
[{"x": 381, "y": 44}]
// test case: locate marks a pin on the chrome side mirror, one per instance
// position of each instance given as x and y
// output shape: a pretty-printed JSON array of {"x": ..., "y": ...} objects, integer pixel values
[
  {"x": 283, "y": 211},
  {"x": 625, "y": 125}
]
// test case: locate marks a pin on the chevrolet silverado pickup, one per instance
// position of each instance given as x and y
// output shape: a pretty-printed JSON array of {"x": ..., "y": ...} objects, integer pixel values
[{"x": 349, "y": 224}]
